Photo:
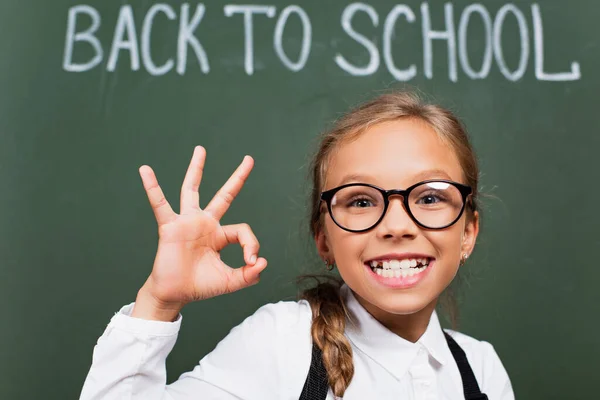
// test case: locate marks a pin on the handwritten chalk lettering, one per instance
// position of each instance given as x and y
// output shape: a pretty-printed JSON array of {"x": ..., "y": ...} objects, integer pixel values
[
  {"x": 523, "y": 33},
  {"x": 346, "y": 21},
  {"x": 388, "y": 30},
  {"x": 187, "y": 38},
  {"x": 85, "y": 36},
  {"x": 447, "y": 34},
  {"x": 125, "y": 39},
  {"x": 149, "y": 64},
  {"x": 84, "y": 25},
  {"x": 249, "y": 11},
  {"x": 463, "y": 27},
  {"x": 538, "y": 33},
  {"x": 306, "y": 38},
  {"x": 125, "y": 26}
]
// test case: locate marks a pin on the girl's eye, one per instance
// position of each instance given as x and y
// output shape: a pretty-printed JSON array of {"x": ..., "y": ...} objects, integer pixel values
[
  {"x": 361, "y": 203},
  {"x": 430, "y": 199}
]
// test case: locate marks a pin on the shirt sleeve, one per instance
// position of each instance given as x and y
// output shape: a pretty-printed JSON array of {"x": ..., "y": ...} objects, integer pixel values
[
  {"x": 496, "y": 383},
  {"x": 264, "y": 357}
]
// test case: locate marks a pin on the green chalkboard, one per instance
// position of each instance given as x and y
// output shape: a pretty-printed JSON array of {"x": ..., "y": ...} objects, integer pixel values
[{"x": 91, "y": 91}]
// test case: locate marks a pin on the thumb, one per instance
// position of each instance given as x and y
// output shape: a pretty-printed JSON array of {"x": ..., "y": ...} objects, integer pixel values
[{"x": 247, "y": 275}]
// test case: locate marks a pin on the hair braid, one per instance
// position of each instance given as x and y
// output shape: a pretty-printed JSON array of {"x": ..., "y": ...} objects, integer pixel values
[{"x": 328, "y": 325}]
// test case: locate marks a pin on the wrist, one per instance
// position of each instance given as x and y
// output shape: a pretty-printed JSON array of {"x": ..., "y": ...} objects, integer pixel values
[{"x": 148, "y": 307}]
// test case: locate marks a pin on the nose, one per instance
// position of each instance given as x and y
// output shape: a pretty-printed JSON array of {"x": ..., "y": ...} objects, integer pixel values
[{"x": 396, "y": 222}]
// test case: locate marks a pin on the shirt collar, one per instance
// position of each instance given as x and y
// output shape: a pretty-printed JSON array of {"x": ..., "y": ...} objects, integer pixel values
[{"x": 389, "y": 350}]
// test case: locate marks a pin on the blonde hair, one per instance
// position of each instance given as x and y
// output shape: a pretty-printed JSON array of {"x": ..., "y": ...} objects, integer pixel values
[{"x": 327, "y": 305}]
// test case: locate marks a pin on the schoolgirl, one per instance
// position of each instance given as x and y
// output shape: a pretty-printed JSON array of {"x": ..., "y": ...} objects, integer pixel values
[{"x": 394, "y": 209}]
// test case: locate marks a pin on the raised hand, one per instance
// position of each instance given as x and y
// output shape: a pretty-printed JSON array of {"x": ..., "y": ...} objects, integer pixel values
[{"x": 188, "y": 266}]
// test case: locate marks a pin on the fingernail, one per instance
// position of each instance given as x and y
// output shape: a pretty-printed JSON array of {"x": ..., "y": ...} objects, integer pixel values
[{"x": 253, "y": 260}]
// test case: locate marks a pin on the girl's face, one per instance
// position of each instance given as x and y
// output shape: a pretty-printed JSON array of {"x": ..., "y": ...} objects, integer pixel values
[{"x": 396, "y": 155}]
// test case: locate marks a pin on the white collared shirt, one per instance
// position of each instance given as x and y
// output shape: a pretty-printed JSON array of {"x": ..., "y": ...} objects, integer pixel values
[{"x": 268, "y": 357}]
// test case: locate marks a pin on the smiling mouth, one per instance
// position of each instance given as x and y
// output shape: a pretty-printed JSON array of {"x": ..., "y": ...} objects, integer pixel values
[{"x": 399, "y": 268}]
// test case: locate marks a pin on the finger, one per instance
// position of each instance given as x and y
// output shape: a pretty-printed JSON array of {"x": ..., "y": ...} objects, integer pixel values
[
  {"x": 162, "y": 210},
  {"x": 224, "y": 197},
  {"x": 247, "y": 275},
  {"x": 242, "y": 234},
  {"x": 190, "y": 198}
]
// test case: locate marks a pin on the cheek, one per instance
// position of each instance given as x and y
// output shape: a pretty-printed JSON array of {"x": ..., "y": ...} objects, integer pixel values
[
  {"x": 447, "y": 243},
  {"x": 346, "y": 246}
]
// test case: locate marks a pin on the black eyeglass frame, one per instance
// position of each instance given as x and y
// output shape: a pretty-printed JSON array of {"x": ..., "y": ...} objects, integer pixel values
[{"x": 464, "y": 190}]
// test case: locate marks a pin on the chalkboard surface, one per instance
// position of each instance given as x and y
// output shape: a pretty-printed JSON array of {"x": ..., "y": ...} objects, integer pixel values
[{"x": 91, "y": 91}]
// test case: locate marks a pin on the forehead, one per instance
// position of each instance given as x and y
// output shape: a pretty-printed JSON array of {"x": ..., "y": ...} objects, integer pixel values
[{"x": 393, "y": 154}]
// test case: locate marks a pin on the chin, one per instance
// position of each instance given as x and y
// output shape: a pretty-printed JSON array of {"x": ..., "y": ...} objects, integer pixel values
[
  {"x": 397, "y": 303},
  {"x": 404, "y": 305}
]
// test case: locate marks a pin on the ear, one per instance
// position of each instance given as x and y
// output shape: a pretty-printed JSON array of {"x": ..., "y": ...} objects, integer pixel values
[
  {"x": 323, "y": 246},
  {"x": 470, "y": 234}
]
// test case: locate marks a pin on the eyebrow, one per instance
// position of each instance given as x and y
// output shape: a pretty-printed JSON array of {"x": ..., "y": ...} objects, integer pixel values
[
  {"x": 421, "y": 176},
  {"x": 432, "y": 174},
  {"x": 356, "y": 178}
]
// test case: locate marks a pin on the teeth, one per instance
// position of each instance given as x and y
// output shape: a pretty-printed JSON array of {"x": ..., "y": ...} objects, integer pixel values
[
  {"x": 400, "y": 272},
  {"x": 391, "y": 268}
]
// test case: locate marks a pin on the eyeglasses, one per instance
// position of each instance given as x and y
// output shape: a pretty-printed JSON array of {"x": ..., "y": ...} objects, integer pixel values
[{"x": 432, "y": 204}]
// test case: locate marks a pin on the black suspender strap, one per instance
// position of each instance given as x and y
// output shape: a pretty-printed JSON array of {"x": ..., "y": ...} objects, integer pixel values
[
  {"x": 470, "y": 386},
  {"x": 316, "y": 384}
]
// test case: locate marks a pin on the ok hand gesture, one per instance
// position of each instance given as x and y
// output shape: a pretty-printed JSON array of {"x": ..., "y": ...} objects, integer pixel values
[{"x": 188, "y": 266}]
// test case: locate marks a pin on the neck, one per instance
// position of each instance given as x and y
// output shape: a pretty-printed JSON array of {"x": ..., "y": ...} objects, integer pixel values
[{"x": 409, "y": 326}]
